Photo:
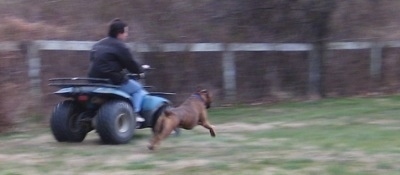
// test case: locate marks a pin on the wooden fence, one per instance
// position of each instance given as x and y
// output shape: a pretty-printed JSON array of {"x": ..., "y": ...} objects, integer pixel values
[{"x": 32, "y": 51}]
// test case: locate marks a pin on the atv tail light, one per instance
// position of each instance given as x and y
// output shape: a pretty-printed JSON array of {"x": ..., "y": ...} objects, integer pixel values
[{"x": 83, "y": 98}]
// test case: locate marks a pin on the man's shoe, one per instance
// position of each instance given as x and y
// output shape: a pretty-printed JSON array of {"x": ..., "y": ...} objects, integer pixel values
[{"x": 139, "y": 119}]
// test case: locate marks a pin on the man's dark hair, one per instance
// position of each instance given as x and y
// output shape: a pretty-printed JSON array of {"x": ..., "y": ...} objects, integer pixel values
[{"x": 117, "y": 26}]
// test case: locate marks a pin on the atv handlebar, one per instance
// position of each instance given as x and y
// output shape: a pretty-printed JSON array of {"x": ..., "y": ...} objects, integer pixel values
[
  {"x": 136, "y": 76},
  {"x": 141, "y": 75}
]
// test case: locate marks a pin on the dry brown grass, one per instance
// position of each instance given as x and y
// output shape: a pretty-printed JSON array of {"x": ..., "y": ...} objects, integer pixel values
[{"x": 17, "y": 29}]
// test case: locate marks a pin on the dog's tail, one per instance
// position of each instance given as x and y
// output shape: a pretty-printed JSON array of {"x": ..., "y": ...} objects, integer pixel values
[
  {"x": 167, "y": 113},
  {"x": 158, "y": 126},
  {"x": 161, "y": 119}
]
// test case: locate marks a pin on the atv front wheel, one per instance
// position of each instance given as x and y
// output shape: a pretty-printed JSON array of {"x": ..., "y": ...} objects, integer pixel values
[{"x": 116, "y": 122}]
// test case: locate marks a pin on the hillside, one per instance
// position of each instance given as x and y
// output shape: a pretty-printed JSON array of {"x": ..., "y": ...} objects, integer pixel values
[{"x": 201, "y": 21}]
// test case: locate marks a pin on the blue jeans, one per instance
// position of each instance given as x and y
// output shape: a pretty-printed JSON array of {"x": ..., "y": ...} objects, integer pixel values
[{"x": 136, "y": 91}]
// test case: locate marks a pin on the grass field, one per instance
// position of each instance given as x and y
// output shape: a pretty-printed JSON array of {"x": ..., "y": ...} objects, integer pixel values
[{"x": 329, "y": 137}]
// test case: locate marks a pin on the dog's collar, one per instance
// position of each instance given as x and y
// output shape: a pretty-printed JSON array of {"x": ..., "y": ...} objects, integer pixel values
[{"x": 197, "y": 95}]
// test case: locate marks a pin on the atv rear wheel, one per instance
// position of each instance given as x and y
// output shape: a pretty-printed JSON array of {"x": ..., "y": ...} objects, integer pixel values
[
  {"x": 116, "y": 122},
  {"x": 65, "y": 122}
]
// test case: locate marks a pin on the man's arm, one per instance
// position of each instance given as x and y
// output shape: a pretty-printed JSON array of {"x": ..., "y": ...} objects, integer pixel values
[{"x": 131, "y": 65}]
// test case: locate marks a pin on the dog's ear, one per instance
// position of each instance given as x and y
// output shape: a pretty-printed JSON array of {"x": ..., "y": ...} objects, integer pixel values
[{"x": 206, "y": 97}]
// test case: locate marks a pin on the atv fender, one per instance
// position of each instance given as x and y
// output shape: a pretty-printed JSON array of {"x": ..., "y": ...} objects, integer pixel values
[{"x": 150, "y": 108}]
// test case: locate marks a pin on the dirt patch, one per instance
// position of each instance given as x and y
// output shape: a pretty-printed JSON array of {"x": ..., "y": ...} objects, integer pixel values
[
  {"x": 185, "y": 163},
  {"x": 240, "y": 127},
  {"x": 383, "y": 122},
  {"x": 25, "y": 158}
]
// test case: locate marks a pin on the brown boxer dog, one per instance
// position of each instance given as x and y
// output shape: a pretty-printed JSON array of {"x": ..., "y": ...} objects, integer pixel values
[{"x": 192, "y": 112}]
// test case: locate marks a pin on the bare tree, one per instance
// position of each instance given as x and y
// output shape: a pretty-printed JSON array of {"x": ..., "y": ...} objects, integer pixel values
[{"x": 319, "y": 13}]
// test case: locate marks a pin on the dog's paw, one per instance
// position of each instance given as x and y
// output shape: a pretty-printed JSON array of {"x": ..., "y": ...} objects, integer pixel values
[
  {"x": 150, "y": 147},
  {"x": 212, "y": 133}
]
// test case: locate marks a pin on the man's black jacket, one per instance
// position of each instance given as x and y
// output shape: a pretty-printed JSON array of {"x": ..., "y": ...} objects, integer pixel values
[{"x": 108, "y": 58}]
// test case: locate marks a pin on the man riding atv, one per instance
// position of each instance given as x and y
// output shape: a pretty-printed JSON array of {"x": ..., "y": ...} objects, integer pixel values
[{"x": 109, "y": 59}]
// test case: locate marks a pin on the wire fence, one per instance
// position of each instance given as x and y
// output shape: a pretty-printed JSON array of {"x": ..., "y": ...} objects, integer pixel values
[{"x": 234, "y": 73}]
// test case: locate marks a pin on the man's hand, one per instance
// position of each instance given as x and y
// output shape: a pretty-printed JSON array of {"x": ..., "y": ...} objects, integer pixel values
[
  {"x": 146, "y": 66},
  {"x": 141, "y": 75}
]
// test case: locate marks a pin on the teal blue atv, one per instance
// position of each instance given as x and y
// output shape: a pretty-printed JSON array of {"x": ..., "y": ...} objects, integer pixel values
[{"x": 102, "y": 107}]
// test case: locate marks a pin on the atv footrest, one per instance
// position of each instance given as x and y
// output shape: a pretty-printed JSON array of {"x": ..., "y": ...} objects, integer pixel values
[{"x": 162, "y": 93}]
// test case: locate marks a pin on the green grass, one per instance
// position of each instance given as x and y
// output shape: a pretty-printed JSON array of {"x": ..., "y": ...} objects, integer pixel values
[
  {"x": 343, "y": 136},
  {"x": 352, "y": 108}
]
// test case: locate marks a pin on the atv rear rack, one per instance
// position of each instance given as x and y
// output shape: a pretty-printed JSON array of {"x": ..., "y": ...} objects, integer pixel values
[{"x": 83, "y": 81}]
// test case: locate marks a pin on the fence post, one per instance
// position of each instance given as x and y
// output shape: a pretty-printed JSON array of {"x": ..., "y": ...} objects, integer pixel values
[
  {"x": 229, "y": 75},
  {"x": 34, "y": 61},
  {"x": 314, "y": 73},
  {"x": 137, "y": 54},
  {"x": 376, "y": 60}
]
